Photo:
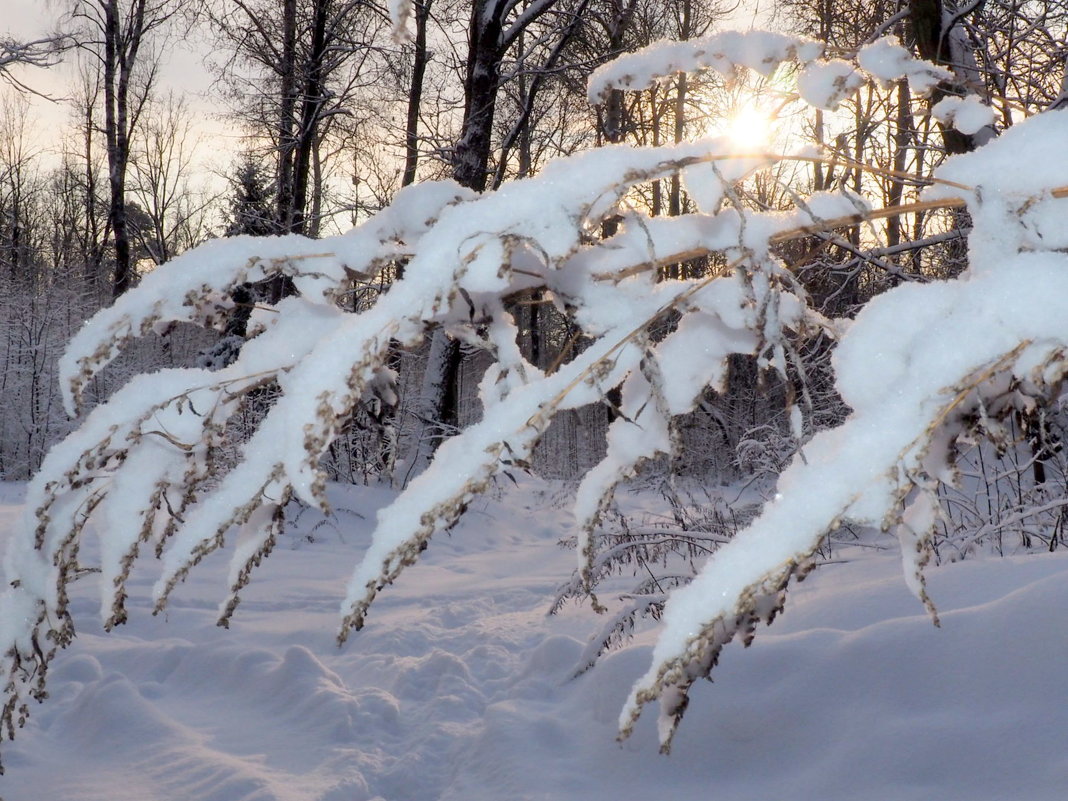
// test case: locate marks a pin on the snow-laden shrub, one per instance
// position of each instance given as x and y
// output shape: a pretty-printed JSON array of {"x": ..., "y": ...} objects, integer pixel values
[{"x": 920, "y": 367}]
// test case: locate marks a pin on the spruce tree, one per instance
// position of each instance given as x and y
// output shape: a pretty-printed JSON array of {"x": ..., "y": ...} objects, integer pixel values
[{"x": 252, "y": 203}]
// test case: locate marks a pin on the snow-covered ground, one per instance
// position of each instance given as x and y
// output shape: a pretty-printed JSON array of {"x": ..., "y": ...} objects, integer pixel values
[{"x": 459, "y": 688}]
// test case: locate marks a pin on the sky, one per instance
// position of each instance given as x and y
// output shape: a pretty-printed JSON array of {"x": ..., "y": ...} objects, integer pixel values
[{"x": 182, "y": 71}]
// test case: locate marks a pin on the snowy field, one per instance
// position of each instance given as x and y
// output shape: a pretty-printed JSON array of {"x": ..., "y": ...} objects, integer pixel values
[{"x": 459, "y": 688}]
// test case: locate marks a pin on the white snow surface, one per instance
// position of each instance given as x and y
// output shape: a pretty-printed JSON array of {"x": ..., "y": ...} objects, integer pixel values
[
  {"x": 460, "y": 687},
  {"x": 969, "y": 115},
  {"x": 825, "y": 84},
  {"x": 899, "y": 367},
  {"x": 886, "y": 61},
  {"x": 1025, "y": 160}
]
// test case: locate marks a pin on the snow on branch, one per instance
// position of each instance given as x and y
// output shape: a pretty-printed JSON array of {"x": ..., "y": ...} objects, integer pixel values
[
  {"x": 921, "y": 367},
  {"x": 198, "y": 287},
  {"x": 400, "y": 17},
  {"x": 821, "y": 83},
  {"x": 147, "y": 463},
  {"x": 43, "y": 52}
]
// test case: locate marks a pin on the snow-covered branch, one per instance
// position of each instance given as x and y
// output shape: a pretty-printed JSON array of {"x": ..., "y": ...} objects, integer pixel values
[
  {"x": 44, "y": 52},
  {"x": 921, "y": 366}
]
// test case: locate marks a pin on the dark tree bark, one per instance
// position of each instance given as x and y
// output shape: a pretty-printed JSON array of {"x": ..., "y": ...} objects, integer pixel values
[
  {"x": 312, "y": 101},
  {"x": 933, "y": 43},
  {"x": 611, "y": 117},
  {"x": 287, "y": 91},
  {"x": 902, "y": 138},
  {"x": 481, "y": 83},
  {"x": 120, "y": 56},
  {"x": 490, "y": 36},
  {"x": 420, "y": 58}
]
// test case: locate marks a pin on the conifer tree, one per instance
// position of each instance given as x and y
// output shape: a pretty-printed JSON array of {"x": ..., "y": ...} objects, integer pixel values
[{"x": 252, "y": 202}]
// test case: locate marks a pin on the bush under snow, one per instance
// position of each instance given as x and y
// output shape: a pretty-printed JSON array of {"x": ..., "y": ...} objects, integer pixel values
[{"x": 922, "y": 366}]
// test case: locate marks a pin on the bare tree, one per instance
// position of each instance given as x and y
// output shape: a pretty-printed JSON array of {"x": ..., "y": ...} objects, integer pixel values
[
  {"x": 161, "y": 165},
  {"x": 117, "y": 37},
  {"x": 19, "y": 181},
  {"x": 420, "y": 59},
  {"x": 86, "y": 164},
  {"x": 291, "y": 67}
]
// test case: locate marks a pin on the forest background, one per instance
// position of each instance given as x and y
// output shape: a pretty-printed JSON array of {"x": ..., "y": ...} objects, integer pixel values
[
  {"x": 330, "y": 115},
  {"x": 324, "y": 115}
]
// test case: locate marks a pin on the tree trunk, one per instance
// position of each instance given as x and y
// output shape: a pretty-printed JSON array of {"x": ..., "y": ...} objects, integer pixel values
[
  {"x": 116, "y": 86},
  {"x": 471, "y": 169},
  {"x": 311, "y": 104},
  {"x": 682, "y": 86},
  {"x": 438, "y": 396},
  {"x": 612, "y": 133},
  {"x": 472, "y": 153},
  {"x": 287, "y": 71},
  {"x": 415, "y": 93},
  {"x": 932, "y": 41},
  {"x": 487, "y": 45},
  {"x": 902, "y": 138},
  {"x": 387, "y": 441}
]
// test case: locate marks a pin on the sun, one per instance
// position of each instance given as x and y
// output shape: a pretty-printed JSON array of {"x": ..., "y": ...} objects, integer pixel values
[{"x": 749, "y": 128}]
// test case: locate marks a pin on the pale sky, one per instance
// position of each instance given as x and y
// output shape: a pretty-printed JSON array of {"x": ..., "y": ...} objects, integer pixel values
[{"x": 183, "y": 71}]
